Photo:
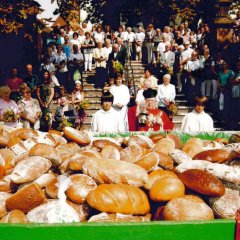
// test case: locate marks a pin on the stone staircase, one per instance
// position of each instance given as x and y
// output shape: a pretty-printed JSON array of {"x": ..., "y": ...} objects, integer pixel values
[{"x": 94, "y": 94}]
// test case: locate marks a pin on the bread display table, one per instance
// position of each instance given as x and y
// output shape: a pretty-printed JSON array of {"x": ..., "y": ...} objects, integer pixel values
[{"x": 219, "y": 229}]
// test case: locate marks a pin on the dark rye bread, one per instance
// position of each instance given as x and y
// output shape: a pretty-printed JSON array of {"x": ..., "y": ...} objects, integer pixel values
[{"x": 202, "y": 182}]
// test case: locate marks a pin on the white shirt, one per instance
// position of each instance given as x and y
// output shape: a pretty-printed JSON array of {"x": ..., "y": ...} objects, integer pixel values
[
  {"x": 124, "y": 36},
  {"x": 194, "y": 122},
  {"x": 194, "y": 65},
  {"x": 121, "y": 94},
  {"x": 99, "y": 37},
  {"x": 186, "y": 54},
  {"x": 97, "y": 53},
  {"x": 81, "y": 38},
  {"x": 109, "y": 49},
  {"x": 139, "y": 36},
  {"x": 139, "y": 97},
  {"x": 161, "y": 47},
  {"x": 105, "y": 121},
  {"x": 152, "y": 79},
  {"x": 166, "y": 91},
  {"x": 131, "y": 37},
  {"x": 76, "y": 41}
]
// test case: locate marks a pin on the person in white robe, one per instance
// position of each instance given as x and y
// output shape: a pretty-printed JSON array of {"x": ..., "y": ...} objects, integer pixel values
[
  {"x": 121, "y": 100},
  {"x": 198, "y": 120},
  {"x": 107, "y": 118}
]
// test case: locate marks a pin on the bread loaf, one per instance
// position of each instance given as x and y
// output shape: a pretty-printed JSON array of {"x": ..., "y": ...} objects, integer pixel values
[
  {"x": 187, "y": 208},
  {"x": 24, "y": 133},
  {"x": 114, "y": 171},
  {"x": 140, "y": 141},
  {"x": 101, "y": 143},
  {"x": 233, "y": 147},
  {"x": 47, "y": 139},
  {"x": 46, "y": 151},
  {"x": 3, "y": 198},
  {"x": 166, "y": 189},
  {"x": 227, "y": 205},
  {"x": 4, "y": 138},
  {"x": 148, "y": 161},
  {"x": 110, "y": 152},
  {"x": 177, "y": 140},
  {"x": 16, "y": 217},
  {"x": 2, "y": 171},
  {"x": 215, "y": 155},
  {"x": 193, "y": 146},
  {"x": 76, "y": 161},
  {"x": 131, "y": 154},
  {"x": 82, "y": 210},
  {"x": 76, "y": 136},
  {"x": 52, "y": 188},
  {"x": 118, "y": 217},
  {"x": 156, "y": 137},
  {"x": 81, "y": 185},
  {"x": 179, "y": 156},
  {"x": 14, "y": 140},
  {"x": 164, "y": 145},
  {"x": 30, "y": 169},
  {"x": 202, "y": 182},
  {"x": 119, "y": 198},
  {"x": 165, "y": 161},
  {"x": 8, "y": 157},
  {"x": 26, "y": 198}
]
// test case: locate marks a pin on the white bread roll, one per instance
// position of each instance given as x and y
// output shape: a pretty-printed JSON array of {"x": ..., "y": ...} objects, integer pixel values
[
  {"x": 193, "y": 146},
  {"x": 119, "y": 198},
  {"x": 148, "y": 161},
  {"x": 30, "y": 169},
  {"x": 131, "y": 154},
  {"x": 110, "y": 152},
  {"x": 187, "y": 208},
  {"x": 140, "y": 141},
  {"x": 114, "y": 171}
]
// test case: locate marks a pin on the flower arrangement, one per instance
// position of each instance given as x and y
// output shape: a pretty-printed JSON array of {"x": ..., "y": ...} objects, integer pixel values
[
  {"x": 172, "y": 107},
  {"x": 234, "y": 9},
  {"x": 83, "y": 104},
  {"x": 9, "y": 116},
  {"x": 64, "y": 123},
  {"x": 45, "y": 120},
  {"x": 118, "y": 67}
]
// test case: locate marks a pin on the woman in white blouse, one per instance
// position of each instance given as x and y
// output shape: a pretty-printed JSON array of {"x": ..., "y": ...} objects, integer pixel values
[{"x": 166, "y": 93}]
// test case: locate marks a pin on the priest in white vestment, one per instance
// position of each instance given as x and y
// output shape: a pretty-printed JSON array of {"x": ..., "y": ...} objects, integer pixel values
[
  {"x": 107, "y": 118},
  {"x": 198, "y": 120},
  {"x": 121, "y": 100}
]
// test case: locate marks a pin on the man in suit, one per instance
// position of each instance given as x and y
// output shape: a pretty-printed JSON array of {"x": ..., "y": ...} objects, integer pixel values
[
  {"x": 122, "y": 48},
  {"x": 117, "y": 55},
  {"x": 167, "y": 59}
]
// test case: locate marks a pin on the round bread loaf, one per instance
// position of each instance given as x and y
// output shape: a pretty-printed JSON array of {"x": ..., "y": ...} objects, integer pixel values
[
  {"x": 82, "y": 210},
  {"x": 92, "y": 153},
  {"x": 227, "y": 205},
  {"x": 76, "y": 136},
  {"x": 55, "y": 132},
  {"x": 131, "y": 154},
  {"x": 156, "y": 137},
  {"x": 110, "y": 152},
  {"x": 166, "y": 189},
  {"x": 202, "y": 182},
  {"x": 16, "y": 217},
  {"x": 119, "y": 198},
  {"x": 49, "y": 152},
  {"x": 148, "y": 161},
  {"x": 8, "y": 156},
  {"x": 26, "y": 198},
  {"x": 76, "y": 161},
  {"x": 140, "y": 141},
  {"x": 187, "y": 208},
  {"x": 156, "y": 175},
  {"x": 215, "y": 155},
  {"x": 5, "y": 186},
  {"x": 164, "y": 145},
  {"x": 193, "y": 146},
  {"x": 81, "y": 185},
  {"x": 2, "y": 171}
]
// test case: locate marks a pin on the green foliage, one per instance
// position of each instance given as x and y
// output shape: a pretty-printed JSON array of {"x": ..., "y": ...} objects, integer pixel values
[{"x": 16, "y": 15}]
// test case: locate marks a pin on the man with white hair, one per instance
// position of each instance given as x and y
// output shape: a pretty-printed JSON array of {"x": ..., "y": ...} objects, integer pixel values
[
  {"x": 166, "y": 93},
  {"x": 161, "y": 47},
  {"x": 167, "y": 59},
  {"x": 139, "y": 38},
  {"x": 130, "y": 40},
  {"x": 122, "y": 47}
]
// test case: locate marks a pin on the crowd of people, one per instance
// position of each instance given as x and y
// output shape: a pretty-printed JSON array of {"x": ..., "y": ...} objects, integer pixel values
[{"x": 178, "y": 54}]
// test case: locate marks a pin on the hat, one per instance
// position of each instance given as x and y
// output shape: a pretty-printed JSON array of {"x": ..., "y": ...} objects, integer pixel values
[{"x": 149, "y": 93}]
